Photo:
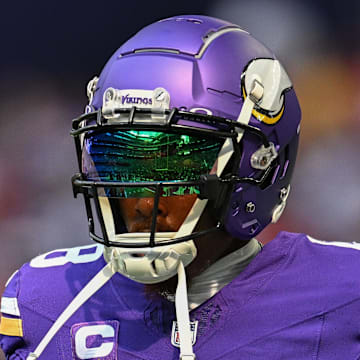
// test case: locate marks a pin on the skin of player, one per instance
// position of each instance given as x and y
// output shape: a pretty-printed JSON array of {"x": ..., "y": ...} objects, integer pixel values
[
  {"x": 137, "y": 214},
  {"x": 172, "y": 210}
]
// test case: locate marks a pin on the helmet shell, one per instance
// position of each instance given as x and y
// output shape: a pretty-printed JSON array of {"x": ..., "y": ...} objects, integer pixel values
[{"x": 201, "y": 62}]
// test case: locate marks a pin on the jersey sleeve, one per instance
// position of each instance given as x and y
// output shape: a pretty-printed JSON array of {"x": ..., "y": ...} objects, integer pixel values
[
  {"x": 11, "y": 326},
  {"x": 37, "y": 294}
]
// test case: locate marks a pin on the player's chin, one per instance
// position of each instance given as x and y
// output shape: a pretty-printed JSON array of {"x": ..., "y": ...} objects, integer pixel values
[{"x": 162, "y": 289}]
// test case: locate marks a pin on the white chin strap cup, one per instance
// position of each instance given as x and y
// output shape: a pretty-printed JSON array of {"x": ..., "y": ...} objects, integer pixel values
[{"x": 151, "y": 265}]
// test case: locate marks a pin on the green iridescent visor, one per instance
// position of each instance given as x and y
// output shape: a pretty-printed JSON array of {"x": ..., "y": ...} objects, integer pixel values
[{"x": 148, "y": 156}]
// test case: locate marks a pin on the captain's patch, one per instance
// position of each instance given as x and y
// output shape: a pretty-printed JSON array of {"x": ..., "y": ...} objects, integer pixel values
[{"x": 95, "y": 340}]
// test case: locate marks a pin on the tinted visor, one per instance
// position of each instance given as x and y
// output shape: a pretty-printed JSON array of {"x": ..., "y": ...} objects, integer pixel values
[{"x": 148, "y": 156}]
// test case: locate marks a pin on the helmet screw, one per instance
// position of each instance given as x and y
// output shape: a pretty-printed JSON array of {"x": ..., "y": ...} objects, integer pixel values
[
  {"x": 250, "y": 207},
  {"x": 160, "y": 94},
  {"x": 109, "y": 95},
  {"x": 264, "y": 161}
]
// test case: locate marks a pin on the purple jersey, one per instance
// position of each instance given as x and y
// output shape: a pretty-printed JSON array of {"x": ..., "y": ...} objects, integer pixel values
[{"x": 298, "y": 299}]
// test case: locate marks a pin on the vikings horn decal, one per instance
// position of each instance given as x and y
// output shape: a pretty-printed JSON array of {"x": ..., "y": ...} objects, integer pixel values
[{"x": 276, "y": 82}]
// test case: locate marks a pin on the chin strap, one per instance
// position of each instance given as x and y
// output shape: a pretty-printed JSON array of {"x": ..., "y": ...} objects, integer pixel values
[
  {"x": 255, "y": 96},
  {"x": 182, "y": 316},
  {"x": 97, "y": 282}
]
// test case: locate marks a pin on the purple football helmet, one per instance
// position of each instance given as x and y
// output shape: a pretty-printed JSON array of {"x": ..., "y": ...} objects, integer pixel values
[{"x": 191, "y": 87}]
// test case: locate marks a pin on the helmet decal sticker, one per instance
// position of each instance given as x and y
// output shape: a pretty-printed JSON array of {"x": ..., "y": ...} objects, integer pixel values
[
  {"x": 114, "y": 99},
  {"x": 276, "y": 82}
]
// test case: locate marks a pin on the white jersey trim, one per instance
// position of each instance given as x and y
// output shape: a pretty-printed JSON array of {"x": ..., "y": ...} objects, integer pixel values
[
  {"x": 350, "y": 245},
  {"x": 11, "y": 277},
  {"x": 10, "y": 306}
]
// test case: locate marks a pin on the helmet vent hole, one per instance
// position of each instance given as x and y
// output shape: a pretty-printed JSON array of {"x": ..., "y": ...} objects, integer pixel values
[
  {"x": 191, "y": 20},
  {"x": 194, "y": 21},
  {"x": 286, "y": 164},
  {"x": 236, "y": 212},
  {"x": 271, "y": 177},
  {"x": 254, "y": 228}
]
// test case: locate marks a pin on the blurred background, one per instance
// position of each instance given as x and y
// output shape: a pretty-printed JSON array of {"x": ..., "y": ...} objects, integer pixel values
[{"x": 50, "y": 51}]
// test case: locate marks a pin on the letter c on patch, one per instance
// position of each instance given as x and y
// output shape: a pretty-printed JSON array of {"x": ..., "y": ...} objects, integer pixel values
[{"x": 84, "y": 352}]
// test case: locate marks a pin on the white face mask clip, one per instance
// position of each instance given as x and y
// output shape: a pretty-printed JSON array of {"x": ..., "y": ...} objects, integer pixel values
[
  {"x": 263, "y": 157},
  {"x": 90, "y": 91}
]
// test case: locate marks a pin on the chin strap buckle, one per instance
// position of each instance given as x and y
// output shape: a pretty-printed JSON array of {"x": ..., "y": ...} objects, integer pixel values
[{"x": 187, "y": 357}]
